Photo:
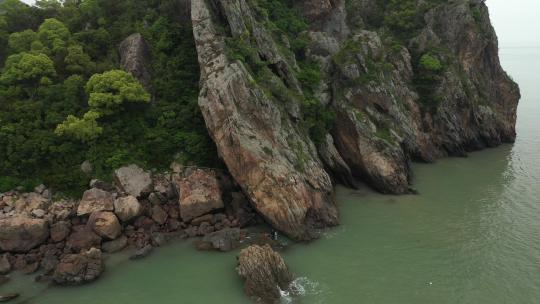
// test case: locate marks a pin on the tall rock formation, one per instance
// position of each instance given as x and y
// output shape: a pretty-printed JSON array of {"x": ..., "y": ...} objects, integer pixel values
[
  {"x": 403, "y": 81},
  {"x": 265, "y": 150}
]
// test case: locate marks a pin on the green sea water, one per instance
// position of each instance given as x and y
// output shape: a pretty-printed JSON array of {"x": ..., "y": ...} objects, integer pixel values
[{"x": 472, "y": 235}]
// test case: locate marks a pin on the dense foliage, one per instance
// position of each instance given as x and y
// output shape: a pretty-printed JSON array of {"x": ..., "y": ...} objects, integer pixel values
[{"x": 63, "y": 99}]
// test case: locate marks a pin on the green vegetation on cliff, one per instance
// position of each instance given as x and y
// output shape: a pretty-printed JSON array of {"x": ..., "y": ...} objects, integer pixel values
[{"x": 64, "y": 100}]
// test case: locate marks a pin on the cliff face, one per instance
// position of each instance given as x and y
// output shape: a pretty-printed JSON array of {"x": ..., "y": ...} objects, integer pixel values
[{"x": 416, "y": 80}]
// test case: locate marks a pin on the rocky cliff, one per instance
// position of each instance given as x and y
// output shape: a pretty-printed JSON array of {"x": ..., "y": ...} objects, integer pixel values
[{"x": 297, "y": 93}]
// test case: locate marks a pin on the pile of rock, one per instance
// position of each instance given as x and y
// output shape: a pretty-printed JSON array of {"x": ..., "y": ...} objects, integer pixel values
[{"x": 66, "y": 238}]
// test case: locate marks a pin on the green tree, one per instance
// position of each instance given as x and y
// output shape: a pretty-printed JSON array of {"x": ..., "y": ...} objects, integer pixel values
[
  {"x": 22, "y": 41},
  {"x": 108, "y": 91},
  {"x": 77, "y": 61},
  {"x": 54, "y": 35},
  {"x": 28, "y": 71},
  {"x": 85, "y": 129}
]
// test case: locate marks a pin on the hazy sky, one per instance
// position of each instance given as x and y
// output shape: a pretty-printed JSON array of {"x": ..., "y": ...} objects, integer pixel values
[{"x": 517, "y": 21}]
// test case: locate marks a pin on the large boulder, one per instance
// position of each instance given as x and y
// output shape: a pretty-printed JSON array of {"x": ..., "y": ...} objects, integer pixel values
[
  {"x": 20, "y": 233},
  {"x": 134, "y": 180},
  {"x": 223, "y": 240},
  {"x": 105, "y": 224},
  {"x": 82, "y": 238},
  {"x": 76, "y": 269},
  {"x": 264, "y": 272},
  {"x": 135, "y": 58},
  {"x": 95, "y": 200},
  {"x": 127, "y": 208},
  {"x": 199, "y": 194}
]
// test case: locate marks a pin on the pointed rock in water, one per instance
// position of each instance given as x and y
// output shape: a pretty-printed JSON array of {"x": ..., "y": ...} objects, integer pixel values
[
  {"x": 264, "y": 272},
  {"x": 267, "y": 153}
]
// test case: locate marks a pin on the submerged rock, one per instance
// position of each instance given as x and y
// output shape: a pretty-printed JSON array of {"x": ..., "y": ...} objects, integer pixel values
[
  {"x": 264, "y": 272},
  {"x": 224, "y": 240},
  {"x": 20, "y": 233},
  {"x": 142, "y": 252},
  {"x": 8, "y": 297},
  {"x": 76, "y": 269},
  {"x": 115, "y": 245}
]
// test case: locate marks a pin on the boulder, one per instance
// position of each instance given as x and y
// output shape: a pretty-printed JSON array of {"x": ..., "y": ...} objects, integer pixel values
[
  {"x": 76, "y": 269},
  {"x": 20, "y": 233},
  {"x": 134, "y": 180},
  {"x": 264, "y": 273},
  {"x": 62, "y": 210},
  {"x": 95, "y": 200},
  {"x": 127, "y": 208},
  {"x": 82, "y": 238},
  {"x": 115, "y": 245},
  {"x": 60, "y": 231},
  {"x": 135, "y": 58},
  {"x": 49, "y": 263},
  {"x": 30, "y": 202},
  {"x": 223, "y": 240},
  {"x": 159, "y": 215},
  {"x": 199, "y": 194},
  {"x": 105, "y": 224},
  {"x": 5, "y": 265}
]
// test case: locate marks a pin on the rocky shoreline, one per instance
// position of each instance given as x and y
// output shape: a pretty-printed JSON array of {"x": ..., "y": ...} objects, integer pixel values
[{"x": 65, "y": 240}]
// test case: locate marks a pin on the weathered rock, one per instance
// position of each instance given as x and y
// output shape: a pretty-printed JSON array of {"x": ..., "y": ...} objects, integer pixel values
[
  {"x": 76, "y": 269},
  {"x": 135, "y": 58},
  {"x": 20, "y": 234},
  {"x": 205, "y": 218},
  {"x": 5, "y": 265},
  {"x": 105, "y": 224},
  {"x": 82, "y": 238},
  {"x": 223, "y": 240},
  {"x": 60, "y": 231},
  {"x": 8, "y": 297},
  {"x": 158, "y": 215},
  {"x": 115, "y": 245},
  {"x": 266, "y": 152},
  {"x": 264, "y": 273},
  {"x": 95, "y": 200},
  {"x": 62, "y": 210},
  {"x": 199, "y": 194},
  {"x": 134, "y": 180},
  {"x": 127, "y": 208},
  {"x": 31, "y": 201}
]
